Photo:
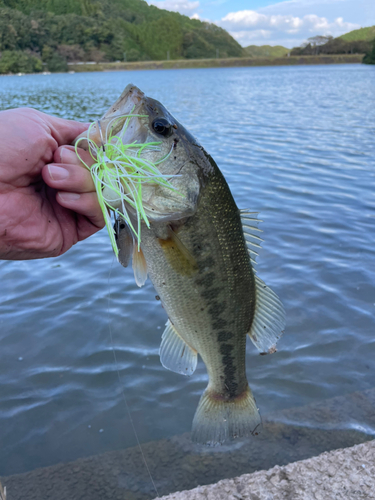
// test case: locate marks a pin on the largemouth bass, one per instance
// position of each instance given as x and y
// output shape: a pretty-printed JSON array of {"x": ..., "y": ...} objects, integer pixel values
[{"x": 198, "y": 253}]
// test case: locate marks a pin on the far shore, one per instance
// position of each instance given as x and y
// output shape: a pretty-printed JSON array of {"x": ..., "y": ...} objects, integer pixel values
[
  {"x": 234, "y": 62},
  {"x": 217, "y": 63}
]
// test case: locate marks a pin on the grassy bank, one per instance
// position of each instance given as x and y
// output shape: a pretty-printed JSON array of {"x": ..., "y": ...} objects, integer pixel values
[{"x": 219, "y": 63}]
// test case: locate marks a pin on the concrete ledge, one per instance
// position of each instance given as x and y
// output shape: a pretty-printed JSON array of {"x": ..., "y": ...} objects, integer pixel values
[
  {"x": 177, "y": 464},
  {"x": 341, "y": 474}
]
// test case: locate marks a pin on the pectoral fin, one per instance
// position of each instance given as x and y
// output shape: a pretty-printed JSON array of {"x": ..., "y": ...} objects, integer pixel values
[
  {"x": 177, "y": 255},
  {"x": 139, "y": 266},
  {"x": 175, "y": 353},
  {"x": 269, "y": 319}
]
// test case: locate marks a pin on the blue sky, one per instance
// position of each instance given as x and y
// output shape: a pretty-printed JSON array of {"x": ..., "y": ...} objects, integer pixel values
[{"x": 288, "y": 23}]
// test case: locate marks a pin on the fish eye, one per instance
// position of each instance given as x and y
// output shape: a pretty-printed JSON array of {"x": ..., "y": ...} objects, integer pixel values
[{"x": 161, "y": 126}]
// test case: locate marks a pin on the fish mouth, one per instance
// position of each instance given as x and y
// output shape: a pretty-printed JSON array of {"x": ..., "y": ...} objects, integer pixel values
[{"x": 130, "y": 102}]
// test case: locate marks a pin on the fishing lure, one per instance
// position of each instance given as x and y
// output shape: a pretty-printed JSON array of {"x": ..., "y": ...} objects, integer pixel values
[{"x": 123, "y": 171}]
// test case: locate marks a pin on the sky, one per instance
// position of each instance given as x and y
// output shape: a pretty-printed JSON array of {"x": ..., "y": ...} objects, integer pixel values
[{"x": 271, "y": 22}]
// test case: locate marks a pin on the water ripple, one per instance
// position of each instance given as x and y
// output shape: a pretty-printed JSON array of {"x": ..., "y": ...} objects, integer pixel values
[{"x": 296, "y": 144}]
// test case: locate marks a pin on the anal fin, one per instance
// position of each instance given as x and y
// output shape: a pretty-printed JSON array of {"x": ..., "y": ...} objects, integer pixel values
[{"x": 175, "y": 353}]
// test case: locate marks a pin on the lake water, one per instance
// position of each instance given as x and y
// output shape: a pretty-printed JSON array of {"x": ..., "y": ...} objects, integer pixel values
[{"x": 294, "y": 143}]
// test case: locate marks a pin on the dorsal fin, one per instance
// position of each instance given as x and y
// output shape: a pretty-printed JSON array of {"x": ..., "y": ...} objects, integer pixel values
[
  {"x": 175, "y": 353},
  {"x": 269, "y": 319},
  {"x": 250, "y": 229}
]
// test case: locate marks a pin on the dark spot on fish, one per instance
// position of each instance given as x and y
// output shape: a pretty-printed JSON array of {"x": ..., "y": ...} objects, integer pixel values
[
  {"x": 157, "y": 297},
  {"x": 122, "y": 226},
  {"x": 202, "y": 308},
  {"x": 226, "y": 349},
  {"x": 219, "y": 323},
  {"x": 208, "y": 262},
  {"x": 216, "y": 309},
  {"x": 175, "y": 157},
  {"x": 206, "y": 280},
  {"x": 223, "y": 336},
  {"x": 229, "y": 369},
  {"x": 211, "y": 293}
]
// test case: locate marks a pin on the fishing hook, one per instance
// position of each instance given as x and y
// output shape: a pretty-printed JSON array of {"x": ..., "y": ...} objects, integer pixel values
[{"x": 101, "y": 134}]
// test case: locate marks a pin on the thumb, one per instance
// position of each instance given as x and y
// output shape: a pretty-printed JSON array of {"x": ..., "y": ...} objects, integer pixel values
[{"x": 65, "y": 131}]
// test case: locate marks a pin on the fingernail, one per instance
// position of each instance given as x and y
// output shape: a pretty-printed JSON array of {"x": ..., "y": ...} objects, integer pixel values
[
  {"x": 57, "y": 173},
  {"x": 68, "y": 156},
  {"x": 69, "y": 196}
]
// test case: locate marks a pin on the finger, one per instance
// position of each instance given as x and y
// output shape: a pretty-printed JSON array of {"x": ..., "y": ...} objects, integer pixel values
[
  {"x": 82, "y": 203},
  {"x": 65, "y": 131},
  {"x": 67, "y": 154},
  {"x": 85, "y": 227},
  {"x": 64, "y": 174},
  {"x": 64, "y": 177}
]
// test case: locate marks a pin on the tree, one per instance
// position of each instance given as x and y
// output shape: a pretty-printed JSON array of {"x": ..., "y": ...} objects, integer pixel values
[
  {"x": 370, "y": 56},
  {"x": 317, "y": 41},
  {"x": 16, "y": 61}
]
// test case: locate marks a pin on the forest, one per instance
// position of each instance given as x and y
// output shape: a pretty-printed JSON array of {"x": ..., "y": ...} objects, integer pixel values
[
  {"x": 38, "y": 35},
  {"x": 46, "y": 35}
]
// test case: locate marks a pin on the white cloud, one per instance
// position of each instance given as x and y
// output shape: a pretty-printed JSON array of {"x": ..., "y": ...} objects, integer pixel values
[
  {"x": 288, "y": 23},
  {"x": 182, "y": 6},
  {"x": 360, "y": 12},
  {"x": 251, "y": 27}
]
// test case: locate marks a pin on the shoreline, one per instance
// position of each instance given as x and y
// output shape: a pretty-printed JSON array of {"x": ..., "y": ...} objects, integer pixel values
[
  {"x": 234, "y": 62},
  {"x": 217, "y": 63}
]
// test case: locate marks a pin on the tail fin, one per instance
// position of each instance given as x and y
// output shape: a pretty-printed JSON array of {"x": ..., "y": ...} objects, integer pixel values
[{"x": 217, "y": 420}]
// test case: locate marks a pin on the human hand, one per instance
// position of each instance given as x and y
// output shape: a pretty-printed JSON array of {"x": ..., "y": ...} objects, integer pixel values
[{"x": 45, "y": 208}]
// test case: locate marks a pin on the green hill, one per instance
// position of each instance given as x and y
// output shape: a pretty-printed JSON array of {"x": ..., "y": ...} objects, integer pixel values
[
  {"x": 266, "y": 51},
  {"x": 60, "y": 31},
  {"x": 355, "y": 42},
  {"x": 363, "y": 34}
]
